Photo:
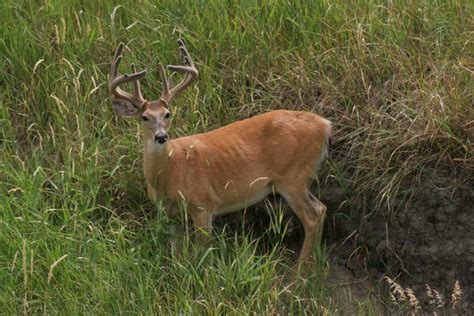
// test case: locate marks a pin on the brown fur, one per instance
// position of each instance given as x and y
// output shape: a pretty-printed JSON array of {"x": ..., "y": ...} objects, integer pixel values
[{"x": 239, "y": 164}]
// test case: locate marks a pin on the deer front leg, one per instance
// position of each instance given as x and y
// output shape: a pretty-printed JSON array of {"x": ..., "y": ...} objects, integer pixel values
[
  {"x": 202, "y": 221},
  {"x": 152, "y": 194}
]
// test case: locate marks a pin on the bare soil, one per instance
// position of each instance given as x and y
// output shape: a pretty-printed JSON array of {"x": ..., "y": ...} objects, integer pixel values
[{"x": 429, "y": 239}]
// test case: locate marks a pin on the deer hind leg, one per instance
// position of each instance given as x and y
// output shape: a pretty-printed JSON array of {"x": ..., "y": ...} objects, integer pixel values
[
  {"x": 320, "y": 210},
  {"x": 311, "y": 212}
]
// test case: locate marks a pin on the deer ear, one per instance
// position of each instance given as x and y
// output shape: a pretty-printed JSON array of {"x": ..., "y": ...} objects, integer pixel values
[{"x": 124, "y": 108}]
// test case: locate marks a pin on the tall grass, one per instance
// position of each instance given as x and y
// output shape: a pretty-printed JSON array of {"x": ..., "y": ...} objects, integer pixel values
[{"x": 77, "y": 232}]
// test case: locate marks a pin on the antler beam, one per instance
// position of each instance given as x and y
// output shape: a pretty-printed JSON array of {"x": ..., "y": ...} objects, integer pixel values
[
  {"x": 115, "y": 80},
  {"x": 188, "y": 69}
]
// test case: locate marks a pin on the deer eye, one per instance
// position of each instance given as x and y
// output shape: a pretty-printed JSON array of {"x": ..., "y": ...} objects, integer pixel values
[
  {"x": 145, "y": 119},
  {"x": 167, "y": 115}
]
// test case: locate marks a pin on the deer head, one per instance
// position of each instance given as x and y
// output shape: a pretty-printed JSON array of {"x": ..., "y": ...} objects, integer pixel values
[{"x": 155, "y": 115}]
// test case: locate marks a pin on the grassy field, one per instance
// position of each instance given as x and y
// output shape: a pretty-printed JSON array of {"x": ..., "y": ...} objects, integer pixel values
[{"x": 77, "y": 232}]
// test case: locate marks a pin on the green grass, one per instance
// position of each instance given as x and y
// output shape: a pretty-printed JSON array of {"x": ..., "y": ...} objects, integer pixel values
[{"x": 396, "y": 80}]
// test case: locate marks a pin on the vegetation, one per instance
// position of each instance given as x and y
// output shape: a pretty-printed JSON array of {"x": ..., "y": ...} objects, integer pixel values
[{"x": 77, "y": 232}]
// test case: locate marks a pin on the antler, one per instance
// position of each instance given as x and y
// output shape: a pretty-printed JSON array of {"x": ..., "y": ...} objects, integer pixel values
[
  {"x": 115, "y": 80},
  {"x": 189, "y": 69}
]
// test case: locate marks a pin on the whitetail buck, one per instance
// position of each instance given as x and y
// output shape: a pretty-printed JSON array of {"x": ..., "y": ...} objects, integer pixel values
[{"x": 231, "y": 167}]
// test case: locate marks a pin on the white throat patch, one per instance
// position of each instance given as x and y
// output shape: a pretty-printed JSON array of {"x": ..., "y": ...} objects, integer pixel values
[{"x": 153, "y": 146}]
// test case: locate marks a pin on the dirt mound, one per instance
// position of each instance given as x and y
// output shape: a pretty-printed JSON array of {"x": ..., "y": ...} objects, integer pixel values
[{"x": 429, "y": 239}]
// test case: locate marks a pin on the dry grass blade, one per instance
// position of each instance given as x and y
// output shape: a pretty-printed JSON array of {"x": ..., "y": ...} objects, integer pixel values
[
  {"x": 456, "y": 295},
  {"x": 439, "y": 299},
  {"x": 15, "y": 257},
  {"x": 51, "y": 268},
  {"x": 396, "y": 290},
  {"x": 24, "y": 265},
  {"x": 429, "y": 293},
  {"x": 412, "y": 300}
]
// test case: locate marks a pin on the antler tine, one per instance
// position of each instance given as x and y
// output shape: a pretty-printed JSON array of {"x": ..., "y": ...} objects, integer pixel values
[
  {"x": 184, "y": 52},
  {"x": 137, "y": 92},
  {"x": 189, "y": 69},
  {"x": 164, "y": 81},
  {"x": 116, "y": 60},
  {"x": 187, "y": 60},
  {"x": 115, "y": 80}
]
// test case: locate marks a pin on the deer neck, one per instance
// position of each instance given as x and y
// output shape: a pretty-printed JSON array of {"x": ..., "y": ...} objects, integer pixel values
[{"x": 156, "y": 162}]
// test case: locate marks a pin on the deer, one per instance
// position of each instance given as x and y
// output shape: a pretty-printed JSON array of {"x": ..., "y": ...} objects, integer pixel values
[{"x": 229, "y": 168}]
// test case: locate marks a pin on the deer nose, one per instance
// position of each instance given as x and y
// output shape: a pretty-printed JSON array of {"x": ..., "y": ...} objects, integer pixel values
[{"x": 161, "y": 138}]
